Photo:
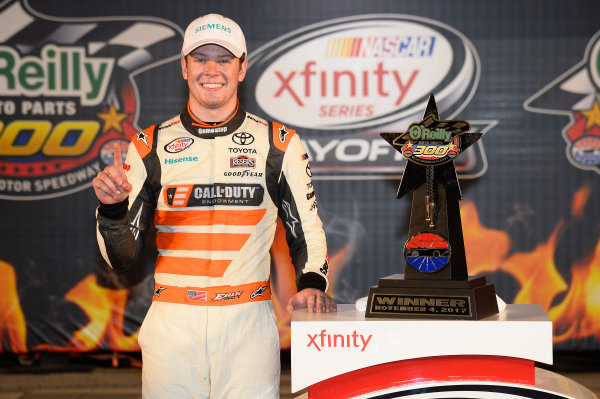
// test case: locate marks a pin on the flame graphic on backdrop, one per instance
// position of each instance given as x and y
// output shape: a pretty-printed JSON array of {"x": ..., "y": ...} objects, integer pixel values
[
  {"x": 105, "y": 309},
  {"x": 576, "y": 316},
  {"x": 12, "y": 322}
]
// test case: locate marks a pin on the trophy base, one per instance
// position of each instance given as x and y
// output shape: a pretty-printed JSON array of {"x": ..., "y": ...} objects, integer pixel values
[{"x": 395, "y": 297}]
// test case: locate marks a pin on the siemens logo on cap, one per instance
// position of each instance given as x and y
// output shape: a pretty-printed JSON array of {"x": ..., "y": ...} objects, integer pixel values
[{"x": 213, "y": 26}]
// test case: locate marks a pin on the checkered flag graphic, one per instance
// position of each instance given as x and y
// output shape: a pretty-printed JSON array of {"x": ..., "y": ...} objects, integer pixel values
[
  {"x": 133, "y": 42},
  {"x": 74, "y": 74},
  {"x": 575, "y": 90},
  {"x": 453, "y": 126}
]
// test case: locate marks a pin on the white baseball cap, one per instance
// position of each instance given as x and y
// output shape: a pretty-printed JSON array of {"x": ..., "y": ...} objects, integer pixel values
[{"x": 214, "y": 29}]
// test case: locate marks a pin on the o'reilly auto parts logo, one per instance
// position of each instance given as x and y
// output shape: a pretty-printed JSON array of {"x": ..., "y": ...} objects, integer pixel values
[
  {"x": 576, "y": 94},
  {"x": 342, "y": 81},
  {"x": 67, "y": 95}
]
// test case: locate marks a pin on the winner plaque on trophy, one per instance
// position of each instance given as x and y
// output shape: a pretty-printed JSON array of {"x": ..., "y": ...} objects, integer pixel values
[{"x": 435, "y": 283}]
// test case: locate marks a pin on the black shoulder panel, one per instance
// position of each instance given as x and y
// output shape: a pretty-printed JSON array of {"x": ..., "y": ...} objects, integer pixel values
[{"x": 273, "y": 169}]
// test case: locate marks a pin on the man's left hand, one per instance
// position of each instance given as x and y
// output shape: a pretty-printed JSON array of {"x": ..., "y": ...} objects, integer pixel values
[{"x": 313, "y": 299}]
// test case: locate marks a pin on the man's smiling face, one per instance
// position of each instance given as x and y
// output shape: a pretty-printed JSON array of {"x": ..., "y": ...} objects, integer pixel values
[{"x": 213, "y": 75}]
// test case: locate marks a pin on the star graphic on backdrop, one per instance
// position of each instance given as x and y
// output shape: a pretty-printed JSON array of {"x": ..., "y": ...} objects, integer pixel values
[
  {"x": 112, "y": 119},
  {"x": 414, "y": 174},
  {"x": 592, "y": 115}
]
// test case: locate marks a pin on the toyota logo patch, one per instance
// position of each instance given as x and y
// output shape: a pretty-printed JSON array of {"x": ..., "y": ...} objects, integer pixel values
[{"x": 243, "y": 138}]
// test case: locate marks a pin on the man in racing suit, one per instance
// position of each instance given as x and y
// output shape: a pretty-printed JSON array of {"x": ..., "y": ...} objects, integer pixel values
[{"x": 213, "y": 180}]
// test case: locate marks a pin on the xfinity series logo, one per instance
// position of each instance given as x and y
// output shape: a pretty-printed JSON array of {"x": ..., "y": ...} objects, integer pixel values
[
  {"x": 345, "y": 80},
  {"x": 65, "y": 104},
  {"x": 364, "y": 71},
  {"x": 576, "y": 94},
  {"x": 179, "y": 144}
]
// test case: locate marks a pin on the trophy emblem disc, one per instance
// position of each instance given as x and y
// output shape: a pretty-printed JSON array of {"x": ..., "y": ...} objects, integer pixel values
[{"x": 435, "y": 283}]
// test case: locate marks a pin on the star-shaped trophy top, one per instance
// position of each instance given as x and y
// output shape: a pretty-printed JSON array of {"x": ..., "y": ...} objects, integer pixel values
[{"x": 431, "y": 143}]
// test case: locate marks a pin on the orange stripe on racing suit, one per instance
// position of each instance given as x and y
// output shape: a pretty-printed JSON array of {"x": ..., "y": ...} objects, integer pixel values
[
  {"x": 209, "y": 217},
  {"x": 213, "y": 296},
  {"x": 201, "y": 241},
  {"x": 191, "y": 266}
]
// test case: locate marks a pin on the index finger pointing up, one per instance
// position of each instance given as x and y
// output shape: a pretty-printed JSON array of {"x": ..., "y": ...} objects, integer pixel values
[{"x": 118, "y": 156}]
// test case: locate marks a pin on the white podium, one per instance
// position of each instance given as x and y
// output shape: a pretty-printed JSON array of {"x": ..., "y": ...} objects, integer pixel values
[{"x": 345, "y": 355}]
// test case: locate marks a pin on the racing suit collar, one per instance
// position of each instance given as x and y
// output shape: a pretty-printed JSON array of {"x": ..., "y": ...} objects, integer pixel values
[{"x": 207, "y": 130}]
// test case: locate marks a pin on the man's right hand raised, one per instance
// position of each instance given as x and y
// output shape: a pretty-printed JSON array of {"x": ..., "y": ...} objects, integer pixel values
[{"x": 111, "y": 185}]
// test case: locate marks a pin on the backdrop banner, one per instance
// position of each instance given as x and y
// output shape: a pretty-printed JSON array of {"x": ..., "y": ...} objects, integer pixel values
[{"x": 78, "y": 77}]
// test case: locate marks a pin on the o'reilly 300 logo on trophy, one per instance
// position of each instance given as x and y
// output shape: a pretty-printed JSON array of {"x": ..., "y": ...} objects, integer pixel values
[{"x": 435, "y": 283}]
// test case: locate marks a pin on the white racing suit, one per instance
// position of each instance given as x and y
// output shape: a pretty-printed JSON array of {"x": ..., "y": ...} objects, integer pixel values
[{"x": 214, "y": 193}]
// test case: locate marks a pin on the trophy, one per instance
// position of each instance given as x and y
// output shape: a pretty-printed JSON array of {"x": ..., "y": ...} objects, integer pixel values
[{"x": 435, "y": 283}]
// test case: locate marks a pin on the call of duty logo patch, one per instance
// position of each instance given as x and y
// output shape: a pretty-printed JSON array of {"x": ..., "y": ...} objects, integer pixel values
[{"x": 576, "y": 93}]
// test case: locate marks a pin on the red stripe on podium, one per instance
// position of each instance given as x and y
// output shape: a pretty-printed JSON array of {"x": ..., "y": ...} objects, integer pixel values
[{"x": 425, "y": 371}]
